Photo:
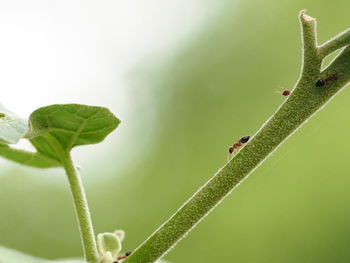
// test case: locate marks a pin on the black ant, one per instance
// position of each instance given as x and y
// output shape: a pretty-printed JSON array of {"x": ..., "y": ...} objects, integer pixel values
[
  {"x": 238, "y": 144},
  {"x": 123, "y": 257},
  {"x": 323, "y": 81}
]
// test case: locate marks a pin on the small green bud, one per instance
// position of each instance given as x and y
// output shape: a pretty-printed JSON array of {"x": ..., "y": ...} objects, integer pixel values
[
  {"x": 120, "y": 234},
  {"x": 106, "y": 258},
  {"x": 109, "y": 242}
]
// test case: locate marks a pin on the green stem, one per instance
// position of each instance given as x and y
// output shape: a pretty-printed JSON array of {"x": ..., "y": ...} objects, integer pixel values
[
  {"x": 306, "y": 99},
  {"x": 335, "y": 43},
  {"x": 82, "y": 210},
  {"x": 80, "y": 202}
]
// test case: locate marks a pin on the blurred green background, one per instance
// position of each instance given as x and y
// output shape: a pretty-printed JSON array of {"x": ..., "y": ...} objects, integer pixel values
[{"x": 187, "y": 106}]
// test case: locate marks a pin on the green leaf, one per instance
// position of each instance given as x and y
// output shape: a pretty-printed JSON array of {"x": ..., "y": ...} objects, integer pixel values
[
  {"x": 12, "y": 127},
  {"x": 33, "y": 159},
  {"x": 69, "y": 125},
  {"x": 8, "y": 255}
]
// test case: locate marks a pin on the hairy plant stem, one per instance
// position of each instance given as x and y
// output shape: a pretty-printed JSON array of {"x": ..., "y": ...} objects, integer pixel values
[
  {"x": 306, "y": 99},
  {"x": 82, "y": 210},
  {"x": 80, "y": 202}
]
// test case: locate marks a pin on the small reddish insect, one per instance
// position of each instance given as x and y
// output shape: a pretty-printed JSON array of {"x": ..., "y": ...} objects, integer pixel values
[
  {"x": 323, "y": 81},
  {"x": 286, "y": 92},
  {"x": 238, "y": 144}
]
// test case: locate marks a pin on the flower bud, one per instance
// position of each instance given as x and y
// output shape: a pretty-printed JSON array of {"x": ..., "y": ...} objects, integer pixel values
[{"x": 109, "y": 242}]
